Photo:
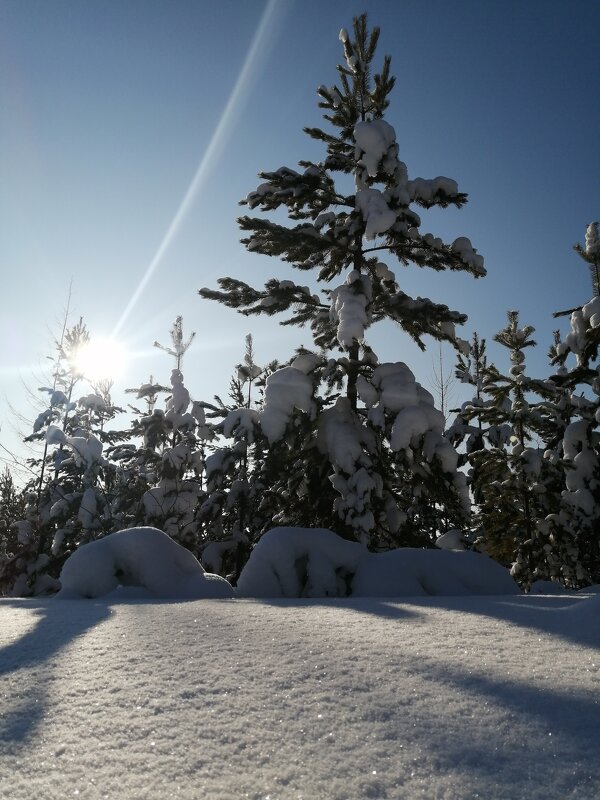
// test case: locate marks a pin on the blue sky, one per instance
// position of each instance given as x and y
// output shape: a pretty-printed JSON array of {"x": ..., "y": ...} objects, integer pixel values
[{"x": 108, "y": 110}]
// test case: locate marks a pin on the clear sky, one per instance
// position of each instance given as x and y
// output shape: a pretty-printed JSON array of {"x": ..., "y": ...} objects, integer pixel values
[{"x": 129, "y": 132}]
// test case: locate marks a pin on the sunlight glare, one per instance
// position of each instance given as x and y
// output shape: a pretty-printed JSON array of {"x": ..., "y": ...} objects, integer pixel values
[{"x": 101, "y": 359}]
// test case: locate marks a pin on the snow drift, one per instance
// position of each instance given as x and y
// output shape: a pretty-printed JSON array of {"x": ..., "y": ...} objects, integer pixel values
[
  {"x": 143, "y": 557},
  {"x": 300, "y": 562},
  {"x": 417, "y": 573},
  {"x": 286, "y": 562}
]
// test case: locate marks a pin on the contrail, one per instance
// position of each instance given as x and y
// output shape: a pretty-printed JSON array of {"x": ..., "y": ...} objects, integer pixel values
[{"x": 215, "y": 146}]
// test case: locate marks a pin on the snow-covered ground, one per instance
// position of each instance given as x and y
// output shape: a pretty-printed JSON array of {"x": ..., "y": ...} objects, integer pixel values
[{"x": 460, "y": 697}]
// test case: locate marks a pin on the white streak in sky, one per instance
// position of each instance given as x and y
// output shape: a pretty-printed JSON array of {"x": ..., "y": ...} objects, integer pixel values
[{"x": 215, "y": 146}]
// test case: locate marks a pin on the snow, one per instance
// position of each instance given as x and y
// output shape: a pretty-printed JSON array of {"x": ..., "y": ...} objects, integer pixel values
[
  {"x": 451, "y": 540},
  {"x": 592, "y": 240},
  {"x": 294, "y": 562},
  {"x": 342, "y": 437},
  {"x": 306, "y": 362},
  {"x": 409, "y": 572},
  {"x": 400, "y": 393},
  {"x": 88, "y": 509},
  {"x": 87, "y": 451},
  {"x": 301, "y": 562},
  {"x": 55, "y": 435},
  {"x": 453, "y": 699},
  {"x": 426, "y": 190},
  {"x": 374, "y": 139},
  {"x": 349, "y": 303},
  {"x": 240, "y": 423},
  {"x": 376, "y": 213},
  {"x": 468, "y": 254},
  {"x": 346, "y": 443},
  {"x": 142, "y": 557},
  {"x": 583, "y": 460},
  {"x": 366, "y": 391},
  {"x": 397, "y": 386},
  {"x": 591, "y": 311},
  {"x": 93, "y": 402},
  {"x": 410, "y": 425},
  {"x": 286, "y": 389}
]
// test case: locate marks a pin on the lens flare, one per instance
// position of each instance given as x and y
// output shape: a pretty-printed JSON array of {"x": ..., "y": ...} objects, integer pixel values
[{"x": 215, "y": 147}]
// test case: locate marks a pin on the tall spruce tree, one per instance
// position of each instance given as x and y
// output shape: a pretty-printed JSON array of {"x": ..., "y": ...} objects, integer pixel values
[{"x": 374, "y": 431}]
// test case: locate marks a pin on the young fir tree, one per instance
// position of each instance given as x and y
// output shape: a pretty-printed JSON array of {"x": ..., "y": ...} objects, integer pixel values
[
  {"x": 376, "y": 444},
  {"x": 171, "y": 458},
  {"x": 513, "y": 485},
  {"x": 229, "y": 512},
  {"x": 469, "y": 432},
  {"x": 70, "y": 499},
  {"x": 468, "y": 425}
]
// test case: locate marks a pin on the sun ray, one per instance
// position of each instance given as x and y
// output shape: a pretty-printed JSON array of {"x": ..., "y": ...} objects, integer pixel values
[{"x": 215, "y": 146}]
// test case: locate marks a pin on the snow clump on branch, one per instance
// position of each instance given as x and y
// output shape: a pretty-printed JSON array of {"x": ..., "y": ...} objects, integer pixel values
[
  {"x": 592, "y": 240},
  {"x": 376, "y": 213},
  {"x": 286, "y": 389},
  {"x": 374, "y": 140},
  {"x": 349, "y": 304}
]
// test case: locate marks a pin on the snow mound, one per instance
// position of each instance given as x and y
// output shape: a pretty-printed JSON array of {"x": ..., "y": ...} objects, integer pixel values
[
  {"x": 549, "y": 587},
  {"x": 415, "y": 573},
  {"x": 303, "y": 562},
  {"x": 300, "y": 562},
  {"x": 142, "y": 557},
  {"x": 587, "y": 612}
]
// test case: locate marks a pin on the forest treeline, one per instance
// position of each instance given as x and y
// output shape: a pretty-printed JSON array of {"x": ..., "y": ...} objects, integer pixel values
[{"x": 333, "y": 438}]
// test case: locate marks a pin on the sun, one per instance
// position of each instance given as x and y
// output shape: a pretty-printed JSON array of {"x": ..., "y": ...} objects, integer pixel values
[{"x": 101, "y": 359}]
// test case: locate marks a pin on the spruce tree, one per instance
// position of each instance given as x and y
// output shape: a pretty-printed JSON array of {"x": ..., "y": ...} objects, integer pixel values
[
  {"x": 70, "y": 499},
  {"x": 468, "y": 428},
  {"x": 229, "y": 513},
  {"x": 504, "y": 476},
  {"x": 509, "y": 429},
  {"x": 373, "y": 436},
  {"x": 172, "y": 458}
]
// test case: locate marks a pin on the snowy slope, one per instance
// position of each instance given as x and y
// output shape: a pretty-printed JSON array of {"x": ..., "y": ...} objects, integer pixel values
[{"x": 464, "y": 697}]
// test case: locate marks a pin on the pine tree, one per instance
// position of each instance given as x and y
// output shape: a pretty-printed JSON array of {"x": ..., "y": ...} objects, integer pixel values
[{"x": 379, "y": 432}]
